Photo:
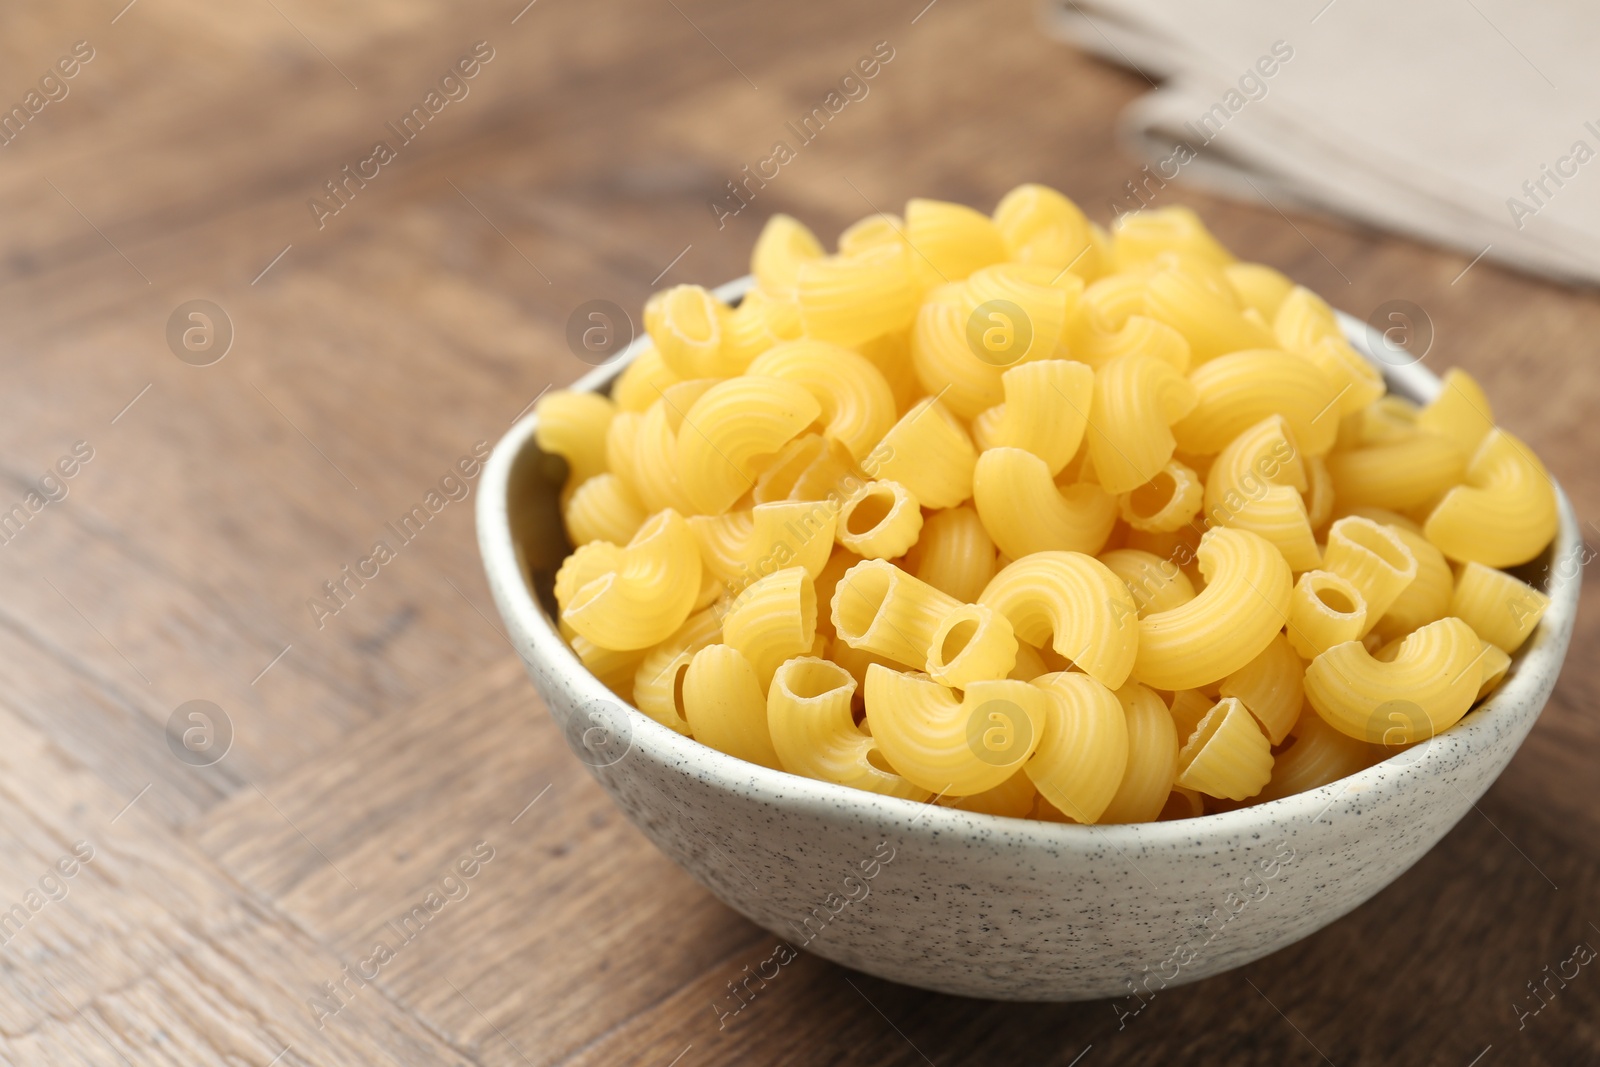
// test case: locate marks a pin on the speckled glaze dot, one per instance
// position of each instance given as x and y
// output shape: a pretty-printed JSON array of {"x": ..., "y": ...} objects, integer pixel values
[{"x": 985, "y": 906}]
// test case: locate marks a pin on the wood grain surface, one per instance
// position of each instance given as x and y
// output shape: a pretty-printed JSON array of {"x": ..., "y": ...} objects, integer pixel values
[{"x": 379, "y": 753}]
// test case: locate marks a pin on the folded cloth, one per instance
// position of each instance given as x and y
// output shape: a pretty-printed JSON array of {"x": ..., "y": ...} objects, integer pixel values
[{"x": 1474, "y": 124}]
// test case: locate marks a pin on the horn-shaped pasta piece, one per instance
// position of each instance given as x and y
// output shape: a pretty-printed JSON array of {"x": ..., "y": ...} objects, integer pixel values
[
  {"x": 928, "y": 451},
  {"x": 1046, "y": 411},
  {"x": 849, "y": 299},
  {"x": 857, "y": 405},
  {"x": 642, "y": 382},
  {"x": 1156, "y": 584},
  {"x": 573, "y": 426},
  {"x": 1142, "y": 236},
  {"x": 1504, "y": 515},
  {"x": 1318, "y": 756},
  {"x": 950, "y": 241},
  {"x": 1256, "y": 485},
  {"x": 1244, "y": 603},
  {"x": 815, "y": 735},
  {"x": 732, "y": 425},
  {"x": 725, "y": 706},
  {"x": 1152, "y": 758},
  {"x": 785, "y": 243},
  {"x": 1047, "y": 299},
  {"x": 943, "y": 360},
  {"x": 1082, "y": 752},
  {"x": 603, "y": 508},
  {"x": 881, "y": 609},
  {"x": 1436, "y": 672},
  {"x": 1325, "y": 609},
  {"x": 1501, "y": 609},
  {"x": 1228, "y": 756},
  {"x": 972, "y": 644},
  {"x": 1136, "y": 401},
  {"x": 1077, "y": 604},
  {"x": 688, "y": 326},
  {"x": 1039, "y": 225},
  {"x": 654, "y": 473},
  {"x": 647, "y": 592},
  {"x": 742, "y": 546},
  {"x": 954, "y": 553},
  {"x": 880, "y": 522},
  {"x": 1271, "y": 687},
  {"x": 1402, "y": 473},
  {"x": 1427, "y": 597},
  {"x": 773, "y": 620},
  {"x": 657, "y": 687},
  {"x": 1210, "y": 321},
  {"x": 881, "y": 229},
  {"x": 1460, "y": 412},
  {"x": 1026, "y": 512},
  {"x": 1259, "y": 287},
  {"x": 955, "y": 744},
  {"x": 1166, "y": 502},
  {"x": 1141, "y": 335},
  {"x": 1307, "y": 327},
  {"x": 1238, "y": 390},
  {"x": 1374, "y": 559}
]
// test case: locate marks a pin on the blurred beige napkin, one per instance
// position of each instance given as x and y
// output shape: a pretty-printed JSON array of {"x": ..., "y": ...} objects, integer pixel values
[{"x": 1474, "y": 124}]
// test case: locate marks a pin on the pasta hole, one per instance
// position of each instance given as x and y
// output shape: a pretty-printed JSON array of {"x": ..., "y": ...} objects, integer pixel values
[
  {"x": 870, "y": 511},
  {"x": 875, "y": 758},
  {"x": 677, "y": 688},
  {"x": 956, "y": 640},
  {"x": 810, "y": 679},
  {"x": 1335, "y": 600},
  {"x": 1150, "y": 498}
]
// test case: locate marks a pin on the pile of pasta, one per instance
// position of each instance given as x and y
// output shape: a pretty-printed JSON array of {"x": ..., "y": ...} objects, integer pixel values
[{"x": 1015, "y": 514}]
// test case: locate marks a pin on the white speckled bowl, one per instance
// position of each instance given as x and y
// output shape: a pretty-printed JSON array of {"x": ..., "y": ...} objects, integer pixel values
[{"x": 985, "y": 906}]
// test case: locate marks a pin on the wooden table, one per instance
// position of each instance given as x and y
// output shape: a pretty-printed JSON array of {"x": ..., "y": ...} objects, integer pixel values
[{"x": 375, "y": 748}]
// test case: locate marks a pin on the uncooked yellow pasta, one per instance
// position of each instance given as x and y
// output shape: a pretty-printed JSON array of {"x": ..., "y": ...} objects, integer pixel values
[
  {"x": 573, "y": 426},
  {"x": 785, "y": 243},
  {"x": 880, "y": 521},
  {"x": 1026, "y": 512},
  {"x": 1228, "y": 756},
  {"x": 854, "y": 298},
  {"x": 1046, "y": 411},
  {"x": 857, "y": 406},
  {"x": 1271, "y": 687},
  {"x": 1501, "y": 609},
  {"x": 1238, "y": 390},
  {"x": 773, "y": 620},
  {"x": 1152, "y": 758},
  {"x": 1157, "y": 584},
  {"x": 646, "y": 594},
  {"x": 1014, "y": 515},
  {"x": 1504, "y": 514},
  {"x": 1460, "y": 412},
  {"x": 1325, "y": 609},
  {"x": 1435, "y": 674},
  {"x": 881, "y": 609},
  {"x": 951, "y": 743},
  {"x": 1256, "y": 485},
  {"x": 928, "y": 451},
  {"x": 1244, "y": 603},
  {"x": 950, "y": 241},
  {"x": 1082, "y": 752},
  {"x": 954, "y": 553},
  {"x": 1074, "y": 602},
  {"x": 1374, "y": 559},
  {"x": 814, "y": 734},
  {"x": 973, "y": 643},
  {"x": 603, "y": 508},
  {"x": 725, "y": 706},
  {"x": 730, "y": 427}
]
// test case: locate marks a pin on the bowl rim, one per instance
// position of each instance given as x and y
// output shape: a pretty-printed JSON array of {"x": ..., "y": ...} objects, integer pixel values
[{"x": 547, "y": 656}]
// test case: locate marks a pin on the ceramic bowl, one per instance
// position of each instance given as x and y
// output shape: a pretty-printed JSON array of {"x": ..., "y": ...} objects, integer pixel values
[{"x": 981, "y": 905}]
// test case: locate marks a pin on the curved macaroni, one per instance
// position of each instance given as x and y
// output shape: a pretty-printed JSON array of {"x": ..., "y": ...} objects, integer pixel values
[
  {"x": 950, "y": 240},
  {"x": 1082, "y": 752},
  {"x": 1502, "y": 610},
  {"x": 1256, "y": 485},
  {"x": 785, "y": 243},
  {"x": 1271, "y": 687},
  {"x": 1460, "y": 412},
  {"x": 880, "y": 522},
  {"x": 953, "y": 744},
  {"x": 732, "y": 425},
  {"x": 1156, "y": 584},
  {"x": 1236, "y": 391},
  {"x": 1374, "y": 559},
  {"x": 773, "y": 620},
  {"x": 972, "y": 644},
  {"x": 815, "y": 735},
  {"x": 1504, "y": 515},
  {"x": 1026, "y": 512},
  {"x": 954, "y": 553},
  {"x": 1228, "y": 757},
  {"x": 658, "y": 677},
  {"x": 725, "y": 706},
  {"x": 646, "y": 595},
  {"x": 880, "y": 608},
  {"x": 603, "y": 508},
  {"x": 1244, "y": 603},
  {"x": 1436, "y": 672},
  {"x": 1325, "y": 609},
  {"x": 1136, "y": 400},
  {"x": 1152, "y": 759},
  {"x": 1318, "y": 756},
  {"x": 857, "y": 406},
  {"x": 1166, "y": 502},
  {"x": 642, "y": 382},
  {"x": 854, "y": 298},
  {"x": 1076, "y": 603},
  {"x": 573, "y": 426},
  {"x": 929, "y": 453},
  {"x": 1033, "y": 417}
]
